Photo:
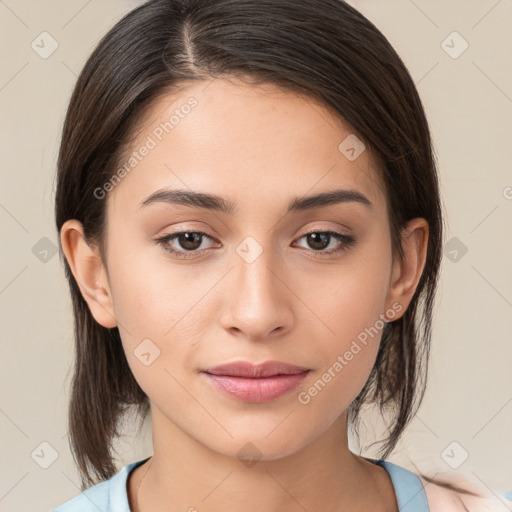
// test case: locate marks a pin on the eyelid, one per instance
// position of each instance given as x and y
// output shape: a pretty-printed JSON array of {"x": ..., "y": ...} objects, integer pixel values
[
  {"x": 340, "y": 228},
  {"x": 345, "y": 243},
  {"x": 345, "y": 240},
  {"x": 163, "y": 239}
]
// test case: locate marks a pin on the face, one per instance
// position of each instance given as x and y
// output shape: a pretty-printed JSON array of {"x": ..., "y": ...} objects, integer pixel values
[{"x": 246, "y": 277}]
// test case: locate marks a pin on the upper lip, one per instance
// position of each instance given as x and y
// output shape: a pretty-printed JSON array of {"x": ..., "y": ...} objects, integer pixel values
[{"x": 248, "y": 369}]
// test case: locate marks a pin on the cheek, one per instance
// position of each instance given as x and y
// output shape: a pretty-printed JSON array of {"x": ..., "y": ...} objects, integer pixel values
[
  {"x": 347, "y": 298},
  {"x": 160, "y": 311},
  {"x": 347, "y": 357},
  {"x": 151, "y": 293},
  {"x": 143, "y": 296},
  {"x": 349, "y": 308}
]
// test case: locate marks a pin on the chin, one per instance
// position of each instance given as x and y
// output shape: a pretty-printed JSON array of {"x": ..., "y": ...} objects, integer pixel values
[{"x": 254, "y": 444}]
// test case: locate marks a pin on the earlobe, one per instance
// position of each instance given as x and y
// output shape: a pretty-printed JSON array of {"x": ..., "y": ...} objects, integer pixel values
[
  {"x": 89, "y": 273},
  {"x": 407, "y": 273}
]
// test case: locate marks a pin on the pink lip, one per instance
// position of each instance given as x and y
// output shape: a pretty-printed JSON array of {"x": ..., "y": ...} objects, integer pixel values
[{"x": 256, "y": 383}]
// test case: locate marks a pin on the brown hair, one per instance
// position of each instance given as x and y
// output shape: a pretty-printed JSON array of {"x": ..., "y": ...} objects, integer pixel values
[{"x": 324, "y": 49}]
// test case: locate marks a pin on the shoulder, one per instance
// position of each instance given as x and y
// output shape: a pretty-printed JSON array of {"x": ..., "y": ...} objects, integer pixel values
[
  {"x": 459, "y": 497},
  {"x": 107, "y": 496},
  {"x": 93, "y": 499}
]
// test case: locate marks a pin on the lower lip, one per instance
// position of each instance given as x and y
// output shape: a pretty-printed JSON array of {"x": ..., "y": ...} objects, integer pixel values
[{"x": 256, "y": 390}]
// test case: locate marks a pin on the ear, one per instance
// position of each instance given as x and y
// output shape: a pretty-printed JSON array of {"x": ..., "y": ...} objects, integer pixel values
[
  {"x": 407, "y": 273},
  {"x": 89, "y": 273}
]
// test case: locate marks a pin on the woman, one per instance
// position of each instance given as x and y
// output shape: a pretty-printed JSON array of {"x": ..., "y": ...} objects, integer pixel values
[{"x": 249, "y": 214}]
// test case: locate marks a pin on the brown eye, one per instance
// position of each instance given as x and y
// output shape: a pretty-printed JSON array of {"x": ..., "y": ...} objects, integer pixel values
[
  {"x": 318, "y": 241},
  {"x": 184, "y": 242},
  {"x": 189, "y": 241}
]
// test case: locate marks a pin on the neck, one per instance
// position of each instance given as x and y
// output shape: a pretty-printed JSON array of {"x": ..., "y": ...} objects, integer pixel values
[{"x": 324, "y": 475}]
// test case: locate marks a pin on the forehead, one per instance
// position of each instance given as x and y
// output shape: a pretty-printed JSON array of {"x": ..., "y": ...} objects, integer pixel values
[{"x": 233, "y": 139}]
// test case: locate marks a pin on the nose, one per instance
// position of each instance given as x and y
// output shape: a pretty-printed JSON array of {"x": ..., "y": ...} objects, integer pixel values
[{"x": 258, "y": 303}]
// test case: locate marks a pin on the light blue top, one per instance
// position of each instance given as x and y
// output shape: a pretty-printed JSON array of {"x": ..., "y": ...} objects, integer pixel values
[{"x": 111, "y": 495}]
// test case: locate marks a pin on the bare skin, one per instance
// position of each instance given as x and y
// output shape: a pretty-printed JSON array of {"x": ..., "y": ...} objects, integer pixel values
[
  {"x": 380, "y": 492},
  {"x": 259, "y": 148}
]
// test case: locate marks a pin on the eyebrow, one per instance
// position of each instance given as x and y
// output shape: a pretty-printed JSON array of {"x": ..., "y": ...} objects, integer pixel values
[{"x": 220, "y": 204}]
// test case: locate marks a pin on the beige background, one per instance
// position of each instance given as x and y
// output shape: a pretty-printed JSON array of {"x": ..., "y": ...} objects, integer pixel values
[{"x": 469, "y": 104}]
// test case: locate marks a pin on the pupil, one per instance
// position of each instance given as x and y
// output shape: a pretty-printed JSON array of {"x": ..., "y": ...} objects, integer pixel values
[
  {"x": 194, "y": 243},
  {"x": 191, "y": 241},
  {"x": 313, "y": 240}
]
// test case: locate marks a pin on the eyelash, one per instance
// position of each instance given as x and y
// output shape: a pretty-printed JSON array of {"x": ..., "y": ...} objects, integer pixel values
[{"x": 347, "y": 240}]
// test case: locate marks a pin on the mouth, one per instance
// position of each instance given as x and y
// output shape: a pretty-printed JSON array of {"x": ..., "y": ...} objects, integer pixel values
[
  {"x": 258, "y": 383},
  {"x": 250, "y": 370}
]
